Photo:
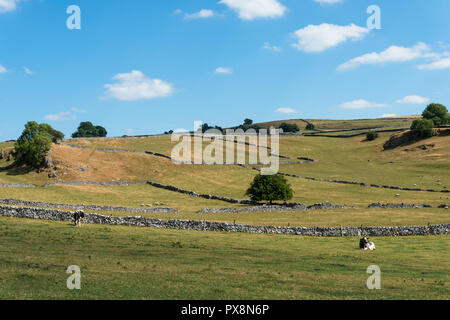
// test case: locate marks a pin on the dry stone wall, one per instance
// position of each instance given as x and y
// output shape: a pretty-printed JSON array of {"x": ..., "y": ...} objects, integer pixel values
[
  {"x": 15, "y": 202},
  {"x": 92, "y": 218}
]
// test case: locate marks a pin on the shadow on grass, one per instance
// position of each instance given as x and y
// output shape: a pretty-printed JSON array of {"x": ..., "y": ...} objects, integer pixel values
[{"x": 16, "y": 170}]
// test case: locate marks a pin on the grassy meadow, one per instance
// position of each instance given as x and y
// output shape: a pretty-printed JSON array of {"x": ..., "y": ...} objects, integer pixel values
[
  {"x": 143, "y": 263},
  {"x": 146, "y": 263}
]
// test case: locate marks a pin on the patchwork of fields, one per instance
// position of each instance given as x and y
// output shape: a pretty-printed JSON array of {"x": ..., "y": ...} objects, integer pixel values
[{"x": 128, "y": 262}]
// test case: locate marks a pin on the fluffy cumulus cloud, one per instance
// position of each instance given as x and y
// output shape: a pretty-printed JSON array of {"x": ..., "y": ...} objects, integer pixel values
[
  {"x": 8, "y": 5},
  {"x": 3, "y": 69},
  {"x": 202, "y": 14},
  {"x": 253, "y": 9},
  {"x": 414, "y": 99},
  {"x": 361, "y": 104},
  {"x": 286, "y": 110},
  {"x": 318, "y": 38},
  {"x": 391, "y": 54},
  {"x": 137, "y": 86},
  {"x": 222, "y": 70}
]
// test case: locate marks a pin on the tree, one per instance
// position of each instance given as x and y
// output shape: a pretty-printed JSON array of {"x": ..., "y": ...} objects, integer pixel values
[
  {"x": 423, "y": 127},
  {"x": 287, "y": 127},
  {"x": 32, "y": 146},
  {"x": 270, "y": 188},
  {"x": 310, "y": 127},
  {"x": 101, "y": 131},
  {"x": 437, "y": 113},
  {"x": 88, "y": 130},
  {"x": 248, "y": 122},
  {"x": 55, "y": 135},
  {"x": 372, "y": 135}
]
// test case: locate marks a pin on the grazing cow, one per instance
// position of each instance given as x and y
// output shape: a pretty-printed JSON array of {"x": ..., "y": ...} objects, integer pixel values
[
  {"x": 365, "y": 244},
  {"x": 78, "y": 217}
]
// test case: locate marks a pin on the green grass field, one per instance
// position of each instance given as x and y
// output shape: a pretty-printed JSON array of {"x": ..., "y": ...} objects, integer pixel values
[
  {"x": 134, "y": 263},
  {"x": 144, "y": 263}
]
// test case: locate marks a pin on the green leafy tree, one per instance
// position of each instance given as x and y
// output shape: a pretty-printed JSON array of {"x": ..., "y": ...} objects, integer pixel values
[
  {"x": 423, "y": 127},
  {"x": 101, "y": 131},
  {"x": 437, "y": 113},
  {"x": 88, "y": 130},
  {"x": 55, "y": 135},
  {"x": 288, "y": 127},
  {"x": 248, "y": 122},
  {"x": 270, "y": 188},
  {"x": 32, "y": 146},
  {"x": 310, "y": 127}
]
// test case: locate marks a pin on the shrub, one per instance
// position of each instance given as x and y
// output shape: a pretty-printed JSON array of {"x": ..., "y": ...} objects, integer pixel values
[
  {"x": 32, "y": 146},
  {"x": 270, "y": 188},
  {"x": 423, "y": 127},
  {"x": 287, "y": 127},
  {"x": 372, "y": 135},
  {"x": 437, "y": 113}
]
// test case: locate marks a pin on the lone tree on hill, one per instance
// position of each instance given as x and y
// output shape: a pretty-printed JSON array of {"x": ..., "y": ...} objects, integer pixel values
[
  {"x": 88, "y": 130},
  {"x": 437, "y": 113},
  {"x": 288, "y": 127},
  {"x": 248, "y": 122},
  {"x": 270, "y": 188},
  {"x": 310, "y": 127},
  {"x": 32, "y": 146}
]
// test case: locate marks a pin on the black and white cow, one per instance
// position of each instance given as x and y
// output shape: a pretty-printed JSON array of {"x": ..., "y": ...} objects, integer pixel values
[
  {"x": 78, "y": 217},
  {"x": 365, "y": 244}
]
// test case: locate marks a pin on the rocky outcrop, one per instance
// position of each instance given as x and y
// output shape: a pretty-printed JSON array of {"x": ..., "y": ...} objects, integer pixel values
[
  {"x": 410, "y": 136},
  {"x": 92, "y": 218}
]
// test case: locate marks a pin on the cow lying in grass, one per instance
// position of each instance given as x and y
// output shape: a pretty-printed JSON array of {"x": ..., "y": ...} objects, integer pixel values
[
  {"x": 365, "y": 244},
  {"x": 78, "y": 218}
]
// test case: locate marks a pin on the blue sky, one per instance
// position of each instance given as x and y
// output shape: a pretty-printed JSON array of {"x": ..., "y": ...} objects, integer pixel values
[{"x": 142, "y": 67}]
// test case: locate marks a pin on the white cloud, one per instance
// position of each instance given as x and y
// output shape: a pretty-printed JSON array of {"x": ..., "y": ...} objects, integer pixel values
[
  {"x": 268, "y": 46},
  {"x": 64, "y": 116},
  {"x": 222, "y": 70},
  {"x": 136, "y": 86},
  {"x": 252, "y": 9},
  {"x": 8, "y": 5},
  {"x": 317, "y": 38},
  {"x": 3, "y": 69},
  {"x": 286, "y": 110},
  {"x": 204, "y": 13},
  {"x": 28, "y": 71},
  {"x": 178, "y": 11},
  {"x": 388, "y": 115},
  {"x": 414, "y": 99},
  {"x": 361, "y": 104},
  {"x": 392, "y": 54},
  {"x": 436, "y": 65},
  {"x": 328, "y": 1}
]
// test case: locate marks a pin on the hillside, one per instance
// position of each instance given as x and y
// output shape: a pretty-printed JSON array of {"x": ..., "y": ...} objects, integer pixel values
[{"x": 351, "y": 159}]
